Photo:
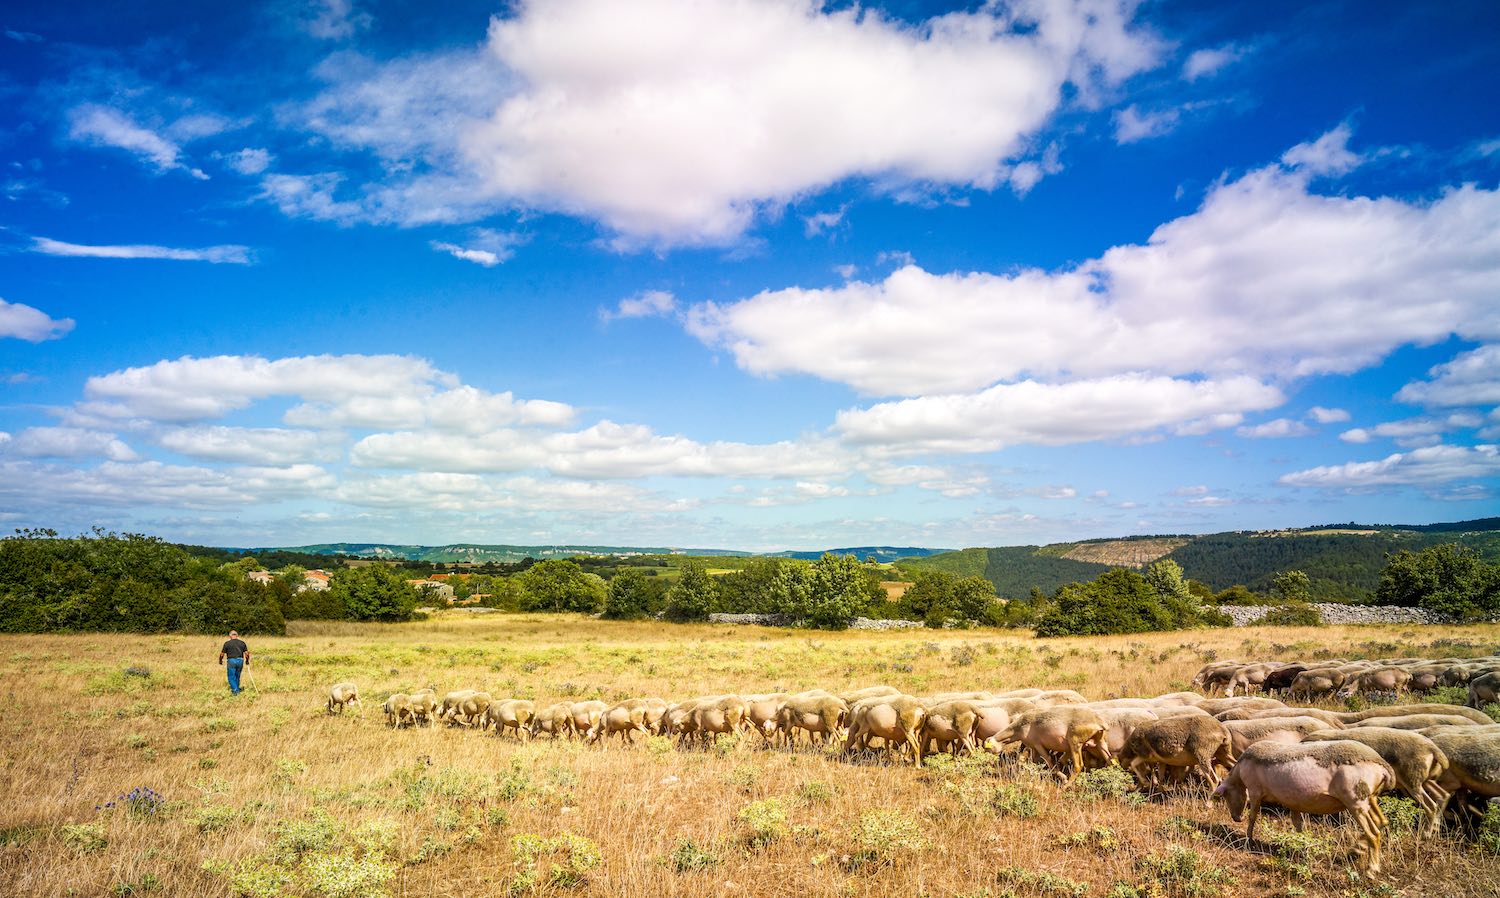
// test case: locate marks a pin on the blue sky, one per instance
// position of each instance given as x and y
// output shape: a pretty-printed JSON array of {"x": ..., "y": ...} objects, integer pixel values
[{"x": 747, "y": 273}]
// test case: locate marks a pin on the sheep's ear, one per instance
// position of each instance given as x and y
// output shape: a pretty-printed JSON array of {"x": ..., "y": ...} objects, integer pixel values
[{"x": 1220, "y": 789}]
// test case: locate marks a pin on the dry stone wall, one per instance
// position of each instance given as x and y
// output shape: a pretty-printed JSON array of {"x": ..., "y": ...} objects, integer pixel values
[{"x": 1333, "y": 613}]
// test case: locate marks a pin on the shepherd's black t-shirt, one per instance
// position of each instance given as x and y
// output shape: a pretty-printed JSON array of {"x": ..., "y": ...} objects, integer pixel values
[{"x": 235, "y": 648}]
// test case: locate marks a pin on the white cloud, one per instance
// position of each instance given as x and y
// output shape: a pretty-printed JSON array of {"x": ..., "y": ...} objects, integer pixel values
[
  {"x": 1471, "y": 378},
  {"x": 335, "y": 19},
  {"x": 147, "y": 483},
  {"x": 1428, "y": 465},
  {"x": 1280, "y": 427},
  {"x": 309, "y": 196},
  {"x": 472, "y": 492},
  {"x": 23, "y": 322},
  {"x": 1328, "y": 155},
  {"x": 103, "y": 126},
  {"x": 226, "y": 254},
  {"x": 1265, "y": 278},
  {"x": 485, "y": 247},
  {"x": 1210, "y": 60},
  {"x": 678, "y": 121},
  {"x": 817, "y": 223},
  {"x": 1208, "y": 501},
  {"x": 1322, "y": 415},
  {"x": 65, "y": 442},
  {"x": 250, "y": 161},
  {"x": 252, "y": 445},
  {"x": 647, "y": 304},
  {"x": 1048, "y": 414},
  {"x": 1196, "y": 490},
  {"x": 1413, "y": 431},
  {"x": 1134, "y": 124},
  {"x": 846, "y": 271}
]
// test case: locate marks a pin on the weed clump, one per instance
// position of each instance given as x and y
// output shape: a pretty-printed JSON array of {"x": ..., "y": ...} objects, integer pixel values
[
  {"x": 1015, "y": 801},
  {"x": 882, "y": 837},
  {"x": 84, "y": 838},
  {"x": 688, "y": 856},
  {"x": 561, "y": 862},
  {"x": 1181, "y": 872},
  {"x": 763, "y": 822},
  {"x": 1108, "y": 782},
  {"x": 1041, "y": 883}
]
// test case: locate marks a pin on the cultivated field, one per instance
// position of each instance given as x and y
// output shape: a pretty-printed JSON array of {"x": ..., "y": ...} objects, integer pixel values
[{"x": 264, "y": 794}]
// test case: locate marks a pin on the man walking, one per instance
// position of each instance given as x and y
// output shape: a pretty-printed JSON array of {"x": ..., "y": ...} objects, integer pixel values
[{"x": 235, "y": 655}]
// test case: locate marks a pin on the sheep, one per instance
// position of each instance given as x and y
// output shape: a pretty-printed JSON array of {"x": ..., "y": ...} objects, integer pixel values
[
  {"x": 1213, "y": 675},
  {"x": 1029, "y": 692},
  {"x": 1330, "y": 719},
  {"x": 625, "y": 719},
  {"x": 1064, "y": 731},
  {"x": 1380, "y": 679},
  {"x": 822, "y": 715},
  {"x": 897, "y": 719},
  {"x": 995, "y": 716},
  {"x": 452, "y": 700},
  {"x": 1316, "y": 682},
  {"x": 511, "y": 714},
  {"x": 1120, "y": 723},
  {"x": 584, "y": 716},
  {"x": 1281, "y": 679},
  {"x": 1417, "y": 761},
  {"x": 471, "y": 708},
  {"x": 1218, "y": 705},
  {"x": 854, "y": 695},
  {"x": 398, "y": 709},
  {"x": 1251, "y": 676},
  {"x": 1053, "y": 697},
  {"x": 1484, "y": 689},
  {"x": 341, "y": 696},
  {"x": 1413, "y": 721},
  {"x": 1407, "y": 710},
  {"x": 1313, "y": 778},
  {"x": 1165, "y": 711},
  {"x": 1473, "y": 759},
  {"x": 424, "y": 706},
  {"x": 725, "y": 714},
  {"x": 554, "y": 720},
  {"x": 1177, "y": 698},
  {"x": 761, "y": 712},
  {"x": 950, "y": 724},
  {"x": 1181, "y": 742},
  {"x": 1291, "y": 730}
]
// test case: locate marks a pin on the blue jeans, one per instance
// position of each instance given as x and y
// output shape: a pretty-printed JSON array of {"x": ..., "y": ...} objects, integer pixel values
[{"x": 234, "y": 666}]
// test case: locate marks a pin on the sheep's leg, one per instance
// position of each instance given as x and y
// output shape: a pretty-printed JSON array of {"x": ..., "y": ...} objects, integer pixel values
[
  {"x": 1439, "y": 798},
  {"x": 1299, "y": 820},
  {"x": 1206, "y": 766},
  {"x": 1252, "y": 814}
]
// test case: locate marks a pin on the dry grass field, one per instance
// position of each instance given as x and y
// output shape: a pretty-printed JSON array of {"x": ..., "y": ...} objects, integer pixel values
[{"x": 265, "y": 794}]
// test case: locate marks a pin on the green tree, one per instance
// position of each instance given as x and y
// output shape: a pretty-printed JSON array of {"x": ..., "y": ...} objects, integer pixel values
[
  {"x": 1447, "y": 578},
  {"x": 560, "y": 585},
  {"x": 691, "y": 597},
  {"x": 838, "y": 591},
  {"x": 376, "y": 592},
  {"x": 630, "y": 594},
  {"x": 1124, "y": 601},
  {"x": 1292, "y": 586}
]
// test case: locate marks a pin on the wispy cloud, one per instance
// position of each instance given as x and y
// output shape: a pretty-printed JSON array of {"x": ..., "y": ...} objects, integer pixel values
[
  {"x": 232, "y": 254},
  {"x": 649, "y": 304},
  {"x": 1211, "y": 60},
  {"x": 104, "y": 126},
  {"x": 486, "y": 247}
]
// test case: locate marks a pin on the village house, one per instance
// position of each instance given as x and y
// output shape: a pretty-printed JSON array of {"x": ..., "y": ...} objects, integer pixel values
[{"x": 317, "y": 580}]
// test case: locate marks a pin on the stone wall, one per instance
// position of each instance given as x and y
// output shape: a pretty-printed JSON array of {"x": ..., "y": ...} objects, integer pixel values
[
  {"x": 1332, "y": 613},
  {"x": 786, "y": 620}
]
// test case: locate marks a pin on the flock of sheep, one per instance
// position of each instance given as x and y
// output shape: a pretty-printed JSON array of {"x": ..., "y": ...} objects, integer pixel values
[{"x": 1251, "y": 749}]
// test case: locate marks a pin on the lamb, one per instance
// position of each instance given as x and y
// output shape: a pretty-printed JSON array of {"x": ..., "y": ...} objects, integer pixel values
[
  {"x": 1290, "y": 730},
  {"x": 1062, "y": 731},
  {"x": 341, "y": 696},
  {"x": 471, "y": 708},
  {"x": 1178, "y": 742},
  {"x": 897, "y": 719},
  {"x": 1416, "y": 760},
  {"x": 1313, "y": 778}
]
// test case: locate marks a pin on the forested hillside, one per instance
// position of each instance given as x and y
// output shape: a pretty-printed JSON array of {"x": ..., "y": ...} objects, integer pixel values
[{"x": 1343, "y": 562}]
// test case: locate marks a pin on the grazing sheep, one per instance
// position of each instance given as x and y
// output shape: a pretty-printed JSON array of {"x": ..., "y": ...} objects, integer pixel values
[
  {"x": 854, "y": 695},
  {"x": 1313, "y": 778},
  {"x": 1177, "y": 742},
  {"x": 625, "y": 719},
  {"x": 452, "y": 700},
  {"x": 950, "y": 725},
  {"x": 995, "y": 716},
  {"x": 511, "y": 714},
  {"x": 585, "y": 715},
  {"x": 897, "y": 719},
  {"x": 342, "y": 696},
  {"x": 1417, "y": 761},
  {"x": 1051, "y": 698},
  {"x": 1120, "y": 723},
  {"x": 554, "y": 720},
  {"x": 1250, "y": 677},
  {"x": 1378, "y": 680},
  {"x": 1111, "y": 703},
  {"x": 398, "y": 709},
  {"x": 725, "y": 714},
  {"x": 424, "y": 707},
  {"x": 1060, "y": 732},
  {"x": 1164, "y": 711},
  {"x": 1290, "y": 730},
  {"x": 1029, "y": 692},
  {"x": 1281, "y": 679},
  {"x": 471, "y": 709},
  {"x": 822, "y": 715},
  {"x": 1473, "y": 759},
  {"x": 1214, "y": 675},
  {"x": 1330, "y": 719},
  {"x": 1219, "y": 705},
  {"x": 1316, "y": 682},
  {"x": 1484, "y": 689},
  {"x": 761, "y": 712},
  {"x": 1176, "y": 698},
  {"x": 1413, "y": 722}
]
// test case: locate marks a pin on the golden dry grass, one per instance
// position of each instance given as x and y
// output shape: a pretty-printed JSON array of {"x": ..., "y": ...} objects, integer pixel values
[{"x": 236, "y": 772}]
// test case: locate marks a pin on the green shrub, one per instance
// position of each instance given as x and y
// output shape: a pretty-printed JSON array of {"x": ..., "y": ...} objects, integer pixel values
[
  {"x": 1041, "y": 882},
  {"x": 568, "y": 858},
  {"x": 687, "y": 856},
  {"x": 1487, "y": 837},
  {"x": 1015, "y": 801},
  {"x": 84, "y": 838},
  {"x": 881, "y": 837},
  {"x": 1181, "y": 872},
  {"x": 212, "y": 818},
  {"x": 763, "y": 822},
  {"x": 1108, "y": 782},
  {"x": 1402, "y": 815},
  {"x": 345, "y": 876},
  {"x": 814, "y": 792}
]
